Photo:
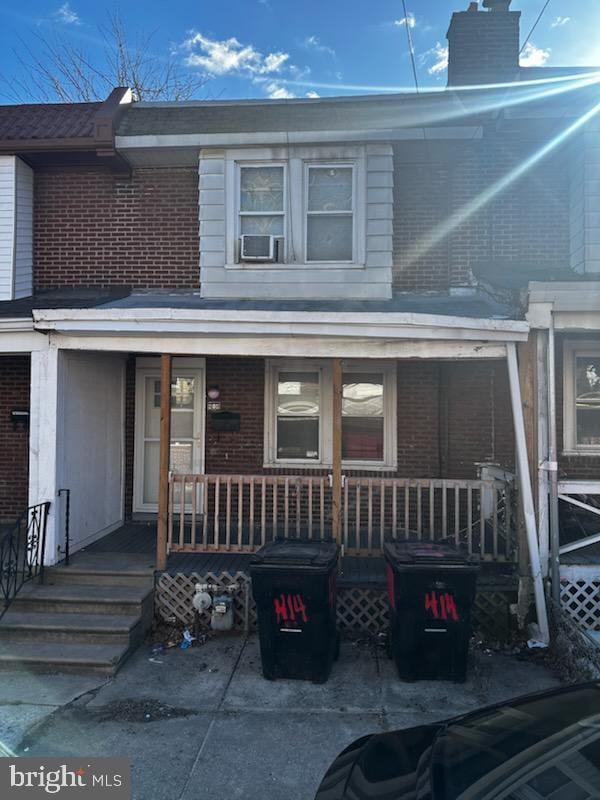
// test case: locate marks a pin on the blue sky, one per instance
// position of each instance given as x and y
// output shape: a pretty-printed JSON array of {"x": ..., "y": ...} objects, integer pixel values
[{"x": 279, "y": 48}]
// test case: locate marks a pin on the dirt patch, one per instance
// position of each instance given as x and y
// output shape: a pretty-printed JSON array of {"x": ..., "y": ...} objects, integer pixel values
[{"x": 140, "y": 711}]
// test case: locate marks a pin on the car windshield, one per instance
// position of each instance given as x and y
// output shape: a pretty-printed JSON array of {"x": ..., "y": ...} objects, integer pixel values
[{"x": 547, "y": 747}]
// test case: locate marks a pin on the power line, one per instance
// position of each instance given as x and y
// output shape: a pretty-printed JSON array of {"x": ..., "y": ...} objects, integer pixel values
[
  {"x": 535, "y": 24},
  {"x": 411, "y": 49}
]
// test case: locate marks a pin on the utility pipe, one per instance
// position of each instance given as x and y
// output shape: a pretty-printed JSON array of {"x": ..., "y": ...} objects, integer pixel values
[
  {"x": 553, "y": 467},
  {"x": 525, "y": 491}
]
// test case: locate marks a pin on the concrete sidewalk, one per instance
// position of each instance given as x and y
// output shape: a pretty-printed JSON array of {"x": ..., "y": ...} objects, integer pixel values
[{"x": 203, "y": 722}]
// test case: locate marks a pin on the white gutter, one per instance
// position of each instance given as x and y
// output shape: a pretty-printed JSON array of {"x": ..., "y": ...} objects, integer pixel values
[
  {"x": 16, "y": 325},
  {"x": 185, "y": 321}
]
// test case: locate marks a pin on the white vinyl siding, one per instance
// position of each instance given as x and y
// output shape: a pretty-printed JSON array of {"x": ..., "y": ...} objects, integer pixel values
[
  {"x": 16, "y": 228},
  {"x": 367, "y": 275}
]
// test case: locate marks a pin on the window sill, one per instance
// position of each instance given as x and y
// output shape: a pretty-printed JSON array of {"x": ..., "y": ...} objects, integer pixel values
[
  {"x": 577, "y": 453},
  {"x": 362, "y": 466},
  {"x": 296, "y": 265}
]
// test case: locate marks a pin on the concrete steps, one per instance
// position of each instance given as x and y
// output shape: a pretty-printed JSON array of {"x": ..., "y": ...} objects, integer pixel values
[{"x": 86, "y": 618}]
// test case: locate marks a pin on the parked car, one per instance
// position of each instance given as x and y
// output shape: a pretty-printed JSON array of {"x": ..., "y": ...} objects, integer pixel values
[{"x": 545, "y": 745}]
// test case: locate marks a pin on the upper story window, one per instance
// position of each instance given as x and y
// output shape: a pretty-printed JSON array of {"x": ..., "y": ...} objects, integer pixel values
[
  {"x": 312, "y": 205},
  {"x": 329, "y": 213},
  {"x": 582, "y": 397},
  {"x": 262, "y": 200}
]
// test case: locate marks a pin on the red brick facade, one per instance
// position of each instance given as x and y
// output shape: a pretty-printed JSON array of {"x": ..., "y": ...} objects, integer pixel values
[
  {"x": 93, "y": 227},
  {"x": 527, "y": 223},
  {"x": 14, "y": 444},
  {"x": 451, "y": 415}
]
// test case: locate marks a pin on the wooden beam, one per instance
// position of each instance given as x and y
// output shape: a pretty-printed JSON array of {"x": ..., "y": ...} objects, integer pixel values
[
  {"x": 164, "y": 460},
  {"x": 336, "y": 463},
  {"x": 527, "y": 353}
]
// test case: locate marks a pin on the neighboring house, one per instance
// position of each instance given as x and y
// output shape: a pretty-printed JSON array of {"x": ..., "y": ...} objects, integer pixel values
[{"x": 318, "y": 278}]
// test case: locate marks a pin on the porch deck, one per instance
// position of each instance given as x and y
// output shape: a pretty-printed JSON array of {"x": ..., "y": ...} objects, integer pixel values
[{"x": 139, "y": 539}]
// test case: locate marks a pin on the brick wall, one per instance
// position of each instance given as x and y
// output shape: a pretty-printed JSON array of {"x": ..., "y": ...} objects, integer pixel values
[
  {"x": 526, "y": 224},
  {"x": 96, "y": 228},
  {"x": 14, "y": 445}
]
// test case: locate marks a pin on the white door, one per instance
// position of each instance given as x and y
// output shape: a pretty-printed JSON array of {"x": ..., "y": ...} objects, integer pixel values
[{"x": 187, "y": 427}]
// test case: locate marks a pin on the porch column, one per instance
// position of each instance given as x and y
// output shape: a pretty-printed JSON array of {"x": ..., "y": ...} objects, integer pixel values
[
  {"x": 525, "y": 490},
  {"x": 336, "y": 461},
  {"x": 44, "y": 442},
  {"x": 164, "y": 461}
]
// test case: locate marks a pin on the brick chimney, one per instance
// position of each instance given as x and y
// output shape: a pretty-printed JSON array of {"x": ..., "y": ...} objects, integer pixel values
[{"x": 483, "y": 45}]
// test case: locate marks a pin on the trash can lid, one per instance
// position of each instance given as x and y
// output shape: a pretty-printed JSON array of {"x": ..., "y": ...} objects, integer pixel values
[
  {"x": 297, "y": 552},
  {"x": 418, "y": 553}
]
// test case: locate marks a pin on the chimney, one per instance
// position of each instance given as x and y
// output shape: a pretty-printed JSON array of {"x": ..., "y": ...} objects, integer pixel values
[{"x": 483, "y": 45}]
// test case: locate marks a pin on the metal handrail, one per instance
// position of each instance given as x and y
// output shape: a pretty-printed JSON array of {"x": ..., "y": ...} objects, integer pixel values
[{"x": 22, "y": 552}]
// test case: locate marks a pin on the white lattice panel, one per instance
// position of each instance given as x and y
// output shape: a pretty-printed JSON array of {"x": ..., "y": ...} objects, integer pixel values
[
  {"x": 581, "y": 600},
  {"x": 359, "y": 610}
]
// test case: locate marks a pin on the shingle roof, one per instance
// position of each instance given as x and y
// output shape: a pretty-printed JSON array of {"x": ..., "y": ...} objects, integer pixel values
[
  {"x": 47, "y": 121},
  {"x": 357, "y": 113}
]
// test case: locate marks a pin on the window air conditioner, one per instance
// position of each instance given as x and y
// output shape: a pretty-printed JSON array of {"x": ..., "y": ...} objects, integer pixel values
[{"x": 258, "y": 248}]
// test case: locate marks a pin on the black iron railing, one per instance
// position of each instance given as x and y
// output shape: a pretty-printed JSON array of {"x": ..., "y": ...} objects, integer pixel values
[{"x": 22, "y": 552}]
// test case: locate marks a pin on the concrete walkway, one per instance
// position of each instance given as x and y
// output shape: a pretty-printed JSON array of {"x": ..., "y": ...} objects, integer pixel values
[{"x": 204, "y": 723}]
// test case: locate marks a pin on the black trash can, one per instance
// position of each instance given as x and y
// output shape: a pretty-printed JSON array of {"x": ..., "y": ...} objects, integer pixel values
[
  {"x": 294, "y": 583},
  {"x": 431, "y": 590}
]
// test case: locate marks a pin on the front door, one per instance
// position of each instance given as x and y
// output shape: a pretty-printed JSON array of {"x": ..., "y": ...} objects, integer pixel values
[{"x": 187, "y": 426}]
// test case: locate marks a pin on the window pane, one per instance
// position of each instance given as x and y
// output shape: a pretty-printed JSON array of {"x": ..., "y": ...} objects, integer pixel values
[
  {"x": 362, "y": 438},
  {"x": 182, "y": 393},
  {"x": 588, "y": 399},
  {"x": 362, "y": 395},
  {"x": 329, "y": 238},
  {"x": 261, "y": 189},
  {"x": 330, "y": 189},
  {"x": 262, "y": 225},
  {"x": 297, "y": 438},
  {"x": 298, "y": 394}
]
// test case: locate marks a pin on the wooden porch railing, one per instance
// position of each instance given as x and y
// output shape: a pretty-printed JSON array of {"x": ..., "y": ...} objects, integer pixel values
[{"x": 240, "y": 513}]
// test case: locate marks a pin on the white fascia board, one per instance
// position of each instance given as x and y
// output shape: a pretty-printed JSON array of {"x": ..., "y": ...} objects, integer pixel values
[
  {"x": 257, "y": 138},
  {"x": 175, "y": 321}
]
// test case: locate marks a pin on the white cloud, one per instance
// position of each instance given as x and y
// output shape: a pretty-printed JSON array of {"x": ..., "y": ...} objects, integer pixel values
[
  {"x": 230, "y": 56},
  {"x": 560, "y": 21},
  {"x": 409, "y": 20},
  {"x": 533, "y": 56},
  {"x": 436, "y": 58},
  {"x": 278, "y": 92},
  {"x": 314, "y": 43},
  {"x": 313, "y": 94},
  {"x": 66, "y": 15}
]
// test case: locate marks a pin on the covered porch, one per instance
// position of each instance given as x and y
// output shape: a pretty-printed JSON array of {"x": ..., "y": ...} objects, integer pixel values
[{"x": 362, "y": 478}]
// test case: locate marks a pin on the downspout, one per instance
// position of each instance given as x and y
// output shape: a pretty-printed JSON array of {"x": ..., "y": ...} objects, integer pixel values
[
  {"x": 553, "y": 467},
  {"x": 525, "y": 491}
]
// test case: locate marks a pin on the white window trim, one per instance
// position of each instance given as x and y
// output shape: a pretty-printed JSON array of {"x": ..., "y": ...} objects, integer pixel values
[
  {"x": 295, "y": 161},
  {"x": 390, "y": 414},
  {"x": 238, "y": 203},
  {"x": 308, "y": 165},
  {"x": 572, "y": 350}
]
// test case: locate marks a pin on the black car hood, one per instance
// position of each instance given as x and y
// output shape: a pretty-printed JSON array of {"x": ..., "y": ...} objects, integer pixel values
[{"x": 386, "y": 766}]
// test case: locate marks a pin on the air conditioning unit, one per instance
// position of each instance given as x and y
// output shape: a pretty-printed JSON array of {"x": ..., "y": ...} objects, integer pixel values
[{"x": 258, "y": 248}]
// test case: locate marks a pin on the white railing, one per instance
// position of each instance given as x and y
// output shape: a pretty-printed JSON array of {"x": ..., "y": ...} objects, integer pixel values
[{"x": 209, "y": 513}]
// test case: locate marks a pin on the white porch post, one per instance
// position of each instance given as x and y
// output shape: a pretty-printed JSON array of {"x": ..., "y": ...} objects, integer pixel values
[
  {"x": 43, "y": 441},
  {"x": 525, "y": 490},
  {"x": 542, "y": 431}
]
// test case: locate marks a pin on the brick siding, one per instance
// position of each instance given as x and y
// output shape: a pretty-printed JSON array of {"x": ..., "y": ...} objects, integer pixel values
[
  {"x": 14, "y": 444},
  {"x": 93, "y": 227},
  {"x": 526, "y": 224}
]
